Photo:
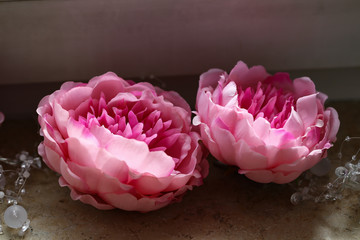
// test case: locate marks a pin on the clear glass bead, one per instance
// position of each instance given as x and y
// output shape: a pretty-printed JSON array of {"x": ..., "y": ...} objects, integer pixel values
[
  {"x": 37, "y": 163},
  {"x": 350, "y": 166},
  {"x": 15, "y": 216},
  {"x": 19, "y": 182},
  {"x": 327, "y": 196},
  {"x": 26, "y": 174},
  {"x": 341, "y": 171},
  {"x": 296, "y": 198},
  {"x": 24, "y": 228}
]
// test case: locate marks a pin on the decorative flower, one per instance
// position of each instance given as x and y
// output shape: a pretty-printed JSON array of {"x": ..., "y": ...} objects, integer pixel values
[
  {"x": 271, "y": 127},
  {"x": 120, "y": 144}
]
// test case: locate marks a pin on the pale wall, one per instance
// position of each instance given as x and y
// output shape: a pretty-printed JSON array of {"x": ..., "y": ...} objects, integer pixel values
[{"x": 75, "y": 40}]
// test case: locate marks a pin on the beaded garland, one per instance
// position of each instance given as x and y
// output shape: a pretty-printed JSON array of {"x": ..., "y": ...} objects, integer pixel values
[
  {"x": 347, "y": 177},
  {"x": 15, "y": 216}
]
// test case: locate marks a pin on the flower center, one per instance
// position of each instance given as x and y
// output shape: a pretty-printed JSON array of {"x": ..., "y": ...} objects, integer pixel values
[
  {"x": 268, "y": 102},
  {"x": 263, "y": 100},
  {"x": 132, "y": 120}
]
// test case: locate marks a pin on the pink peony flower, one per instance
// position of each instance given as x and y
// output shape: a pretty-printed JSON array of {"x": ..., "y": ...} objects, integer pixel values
[
  {"x": 118, "y": 144},
  {"x": 271, "y": 127}
]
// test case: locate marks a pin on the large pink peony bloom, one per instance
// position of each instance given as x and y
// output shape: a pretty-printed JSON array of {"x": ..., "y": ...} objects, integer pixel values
[
  {"x": 271, "y": 127},
  {"x": 120, "y": 144}
]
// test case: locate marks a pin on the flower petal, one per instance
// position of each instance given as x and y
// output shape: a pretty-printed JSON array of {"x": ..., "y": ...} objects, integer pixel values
[
  {"x": 307, "y": 108},
  {"x": 303, "y": 87},
  {"x": 248, "y": 159},
  {"x": 243, "y": 76},
  {"x": 85, "y": 198},
  {"x": 294, "y": 124},
  {"x": 210, "y": 78}
]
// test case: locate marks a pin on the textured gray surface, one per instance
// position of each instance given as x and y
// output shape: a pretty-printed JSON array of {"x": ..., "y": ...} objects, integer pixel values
[{"x": 227, "y": 206}]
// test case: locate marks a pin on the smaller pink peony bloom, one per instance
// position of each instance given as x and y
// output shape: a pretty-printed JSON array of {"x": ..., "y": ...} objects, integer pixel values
[
  {"x": 271, "y": 127},
  {"x": 118, "y": 144}
]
